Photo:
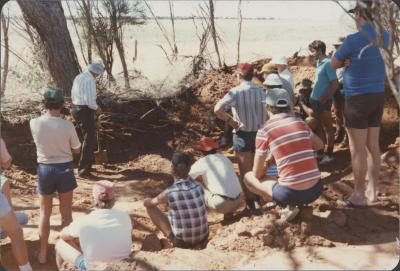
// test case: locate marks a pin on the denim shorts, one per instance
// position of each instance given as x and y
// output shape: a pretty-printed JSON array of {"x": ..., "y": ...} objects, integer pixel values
[
  {"x": 317, "y": 108},
  {"x": 58, "y": 178},
  {"x": 244, "y": 141},
  {"x": 286, "y": 196},
  {"x": 80, "y": 262}
]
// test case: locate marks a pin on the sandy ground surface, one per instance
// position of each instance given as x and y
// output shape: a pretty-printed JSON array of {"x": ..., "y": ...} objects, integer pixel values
[{"x": 326, "y": 235}]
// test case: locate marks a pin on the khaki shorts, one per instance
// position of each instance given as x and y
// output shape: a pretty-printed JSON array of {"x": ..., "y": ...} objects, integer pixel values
[{"x": 221, "y": 204}]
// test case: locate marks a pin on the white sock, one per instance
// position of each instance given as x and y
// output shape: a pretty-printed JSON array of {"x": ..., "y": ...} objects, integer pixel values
[{"x": 26, "y": 267}]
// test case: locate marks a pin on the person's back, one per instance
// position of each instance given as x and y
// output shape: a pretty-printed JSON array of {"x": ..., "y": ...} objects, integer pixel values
[
  {"x": 104, "y": 235},
  {"x": 247, "y": 106},
  {"x": 187, "y": 211},
  {"x": 288, "y": 139},
  {"x": 218, "y": 175},
  {"x": 366, "y": 72},
  {"x": 53, "y": 137}
]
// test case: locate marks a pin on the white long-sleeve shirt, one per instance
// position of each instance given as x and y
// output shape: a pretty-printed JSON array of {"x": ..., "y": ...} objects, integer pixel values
[{"x": 84, "y": 90}]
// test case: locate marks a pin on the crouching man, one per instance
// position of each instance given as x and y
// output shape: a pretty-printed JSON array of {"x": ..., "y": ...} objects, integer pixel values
[
  {"x": 186, "y": 225},
  {"x": 103, "y": 236},
  {"x": 291, "y": 144},
  {"x": 216, "y": 174}
]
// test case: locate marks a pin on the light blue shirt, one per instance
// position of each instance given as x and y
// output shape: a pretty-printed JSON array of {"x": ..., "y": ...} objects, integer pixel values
[
  {"x": 366, "y": 73},
  {"x": 323, "y": 77}
]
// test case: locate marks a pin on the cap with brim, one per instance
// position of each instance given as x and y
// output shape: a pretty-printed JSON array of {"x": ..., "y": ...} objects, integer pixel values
[
  {"x": 103, "y": 190},
  {"x": 281, "y": 60},
  {"x": 268, "y": 68},
  {"x": 277, "y": 97},
  {"x": 96, "y": 67},
  {"x": 273, "y": 80},
  {"x": 244, "y": 68},
  {"x": 207, "y": 144},
  {"x": 53, "y": 95}
]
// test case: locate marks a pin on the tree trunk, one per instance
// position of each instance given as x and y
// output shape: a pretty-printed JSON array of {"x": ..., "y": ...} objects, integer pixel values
[
  {"x": 120, "y": 48},
  {"x": 213, "y": 31},
  {"x": 48, "y": 18},
  {"x": 5, "y": 21},
  {"x": 89, "y": 40}
]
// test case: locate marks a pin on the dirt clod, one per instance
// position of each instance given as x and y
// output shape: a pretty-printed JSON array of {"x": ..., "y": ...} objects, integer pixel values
[{"x": 151, "y": 243}]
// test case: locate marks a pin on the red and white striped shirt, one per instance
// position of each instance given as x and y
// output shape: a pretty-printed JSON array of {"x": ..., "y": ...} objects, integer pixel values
[{"x": 288, "y": 138}]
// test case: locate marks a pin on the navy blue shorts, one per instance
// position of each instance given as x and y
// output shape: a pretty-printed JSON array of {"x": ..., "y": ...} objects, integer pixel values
[
  {"x": 286, "y": 196},
  {"x": 56, "y": 178},
  {"x": 317, "y": 108},
  {"x": 244, "y": 141}
]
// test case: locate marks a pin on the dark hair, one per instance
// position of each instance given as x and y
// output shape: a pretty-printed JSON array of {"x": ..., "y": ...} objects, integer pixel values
[
  {"x": 52, "y": 105},
  {"x": 278, "y": 110},
  {"x": 106, "y": 204},
  {"x": 181, "y": 163},
  {"x": 318, "y": 44},
  {"x": 246, "y": 76},
  {"x": 214, "y": 151}
]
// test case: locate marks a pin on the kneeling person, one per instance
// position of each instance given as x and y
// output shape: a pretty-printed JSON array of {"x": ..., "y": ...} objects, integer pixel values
[
  {"x": 215, "y": 172},
  {"x": 103, "y": 236},
  {"x": 186, "y": 225},
  {"x": 291, "y": 143}
]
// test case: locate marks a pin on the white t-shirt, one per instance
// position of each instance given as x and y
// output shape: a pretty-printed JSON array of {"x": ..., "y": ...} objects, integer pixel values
[
  {"x": 288, "y": 76},
  {"x": 54, "y": 138},
  {"x": 105, "y": 235},
  {"x": 218, "y": 175}
]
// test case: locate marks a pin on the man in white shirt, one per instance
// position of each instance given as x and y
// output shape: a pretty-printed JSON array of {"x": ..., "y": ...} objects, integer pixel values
[
  {"x": 216, "y": 174},
  {"x": 281, "y": 63},
  {"x": 103, "y": 236},
  {"x": 83, "y": 95}
]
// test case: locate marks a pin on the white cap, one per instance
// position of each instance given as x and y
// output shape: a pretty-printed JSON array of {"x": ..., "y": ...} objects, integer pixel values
[
  {"x": 273, "y": 80},
  {"x": 277, "y": 97},
  {"x": 279, "y": 60}
]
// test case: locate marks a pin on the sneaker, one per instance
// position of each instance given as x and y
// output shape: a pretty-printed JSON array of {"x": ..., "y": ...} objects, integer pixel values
[
  {"x": 289, "y": 213},
  {"x": 326, "y": 160}
]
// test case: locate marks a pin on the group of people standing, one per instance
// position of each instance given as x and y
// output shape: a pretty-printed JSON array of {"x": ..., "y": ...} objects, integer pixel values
[{"x": 279, "y": 137}]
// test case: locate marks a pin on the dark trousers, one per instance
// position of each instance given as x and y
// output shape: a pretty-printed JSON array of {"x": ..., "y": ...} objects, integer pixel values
[{"x": 85, "y": 117}]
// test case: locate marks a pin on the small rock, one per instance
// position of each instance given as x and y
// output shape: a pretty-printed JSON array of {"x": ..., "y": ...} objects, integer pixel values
[
  {"x": 257, "y": 231},
  {"x": 327, "y": 243},
  {"x": 165, "y": 243},
  {"x": 151, "y": 243},
  {"x": 323, "y": 207},
  {"x": 339, "y": 218},
  {"x": 268, "y": 240},
  {"x": 305, "y": 228},
  {"x": 245, "y": 234},
  {"x": 306, "y": 213}
]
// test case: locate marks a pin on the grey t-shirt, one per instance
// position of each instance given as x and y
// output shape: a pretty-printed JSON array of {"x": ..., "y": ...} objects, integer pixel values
[{"x": 54, "y": 138}]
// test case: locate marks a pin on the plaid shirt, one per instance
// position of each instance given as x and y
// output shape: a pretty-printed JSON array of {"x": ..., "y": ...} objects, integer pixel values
[{"x": 187, "y": 211}]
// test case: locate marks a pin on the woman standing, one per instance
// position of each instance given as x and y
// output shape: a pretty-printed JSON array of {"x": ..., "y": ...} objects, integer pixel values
[{"x": 56, "y": 140}]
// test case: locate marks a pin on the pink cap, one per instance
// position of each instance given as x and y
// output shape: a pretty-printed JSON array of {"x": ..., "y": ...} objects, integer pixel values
[{"x": 103, "y": 190}]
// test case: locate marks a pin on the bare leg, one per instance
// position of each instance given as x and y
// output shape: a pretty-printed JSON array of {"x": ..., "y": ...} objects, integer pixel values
[
  {"x": 10, "y": 225},
  {"x": 326, "y": 120},
  {"x": 66, "y": 208},
  {"x": 160, "y": 220},
  {"x": 7, "y": 191},
  {"x": 245, "y": 162},
  {"x": 358, "y": 142},
  {"x": 46, "y": 204},
  {"x": 373, "y": 162},
  {"x": 262, "y": 188},
  {"x": 65, "y": 252}
]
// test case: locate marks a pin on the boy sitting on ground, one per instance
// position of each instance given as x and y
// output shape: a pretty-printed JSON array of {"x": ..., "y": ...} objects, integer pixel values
[
  {"x": 291, "y": 143},
  {"x": 186, "y": 225},
  {"x": 103, "y": 236},
  {"x": 216, "y": 174}
]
